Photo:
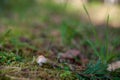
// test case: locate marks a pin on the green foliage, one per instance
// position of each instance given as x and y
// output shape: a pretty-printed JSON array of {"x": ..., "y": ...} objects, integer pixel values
[
  {"x": 116, "y": 42},
  {"x": 94, "y": 71},
  {"x": 51, "y": 7},
  {"x": 18, "y": 44},
  {"x": 91, "y": 25},
  {"x": 4, "y": 37},
  {"x": 103, "y": 53},
  {"x": 67, "y": 75},
  {"x": 98, "y": 68},
  {"x": 11, "y": 38},
  {"x": 8, "y": 57},
  {"x": 9, "y": 5},
  {"x": 68, "y": 33}
]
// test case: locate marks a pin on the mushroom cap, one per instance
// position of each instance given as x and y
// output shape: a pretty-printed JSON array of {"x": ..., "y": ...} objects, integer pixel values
[{"x": 41, "y": 59}]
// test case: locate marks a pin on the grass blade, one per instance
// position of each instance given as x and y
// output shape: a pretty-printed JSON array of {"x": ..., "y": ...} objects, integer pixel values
[
  {"x": 93, "y": 47},
  {"x": 107, "y": 40}
]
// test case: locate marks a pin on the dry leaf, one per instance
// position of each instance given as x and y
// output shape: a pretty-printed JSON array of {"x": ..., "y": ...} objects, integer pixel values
[
  {"x": 71, "y": 55},
  {"x": 113, "y": 66}
]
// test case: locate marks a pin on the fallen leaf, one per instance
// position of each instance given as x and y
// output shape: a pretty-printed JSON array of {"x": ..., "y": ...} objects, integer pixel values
[{"x": 72, "y": 55}]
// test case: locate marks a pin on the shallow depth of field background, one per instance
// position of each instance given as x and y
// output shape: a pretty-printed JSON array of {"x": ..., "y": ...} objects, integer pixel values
[{"x": 51, "y": 28}]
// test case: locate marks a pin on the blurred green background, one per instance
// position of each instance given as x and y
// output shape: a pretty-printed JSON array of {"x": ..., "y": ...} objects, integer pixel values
[{"x": 48, "y": 27}]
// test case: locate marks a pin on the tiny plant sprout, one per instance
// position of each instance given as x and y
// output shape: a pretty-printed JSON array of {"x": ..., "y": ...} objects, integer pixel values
[{"x": 41, "y": 59}]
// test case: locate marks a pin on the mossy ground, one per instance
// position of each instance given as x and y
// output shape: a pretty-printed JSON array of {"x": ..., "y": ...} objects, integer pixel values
[{"x": 36, "y": 31}]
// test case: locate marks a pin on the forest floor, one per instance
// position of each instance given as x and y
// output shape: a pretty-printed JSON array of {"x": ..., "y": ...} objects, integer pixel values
[{"x": 75, "y": 49}]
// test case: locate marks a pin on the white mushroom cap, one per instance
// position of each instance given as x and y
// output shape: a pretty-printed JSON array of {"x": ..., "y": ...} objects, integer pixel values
[{"x": 41, "y": 59}]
